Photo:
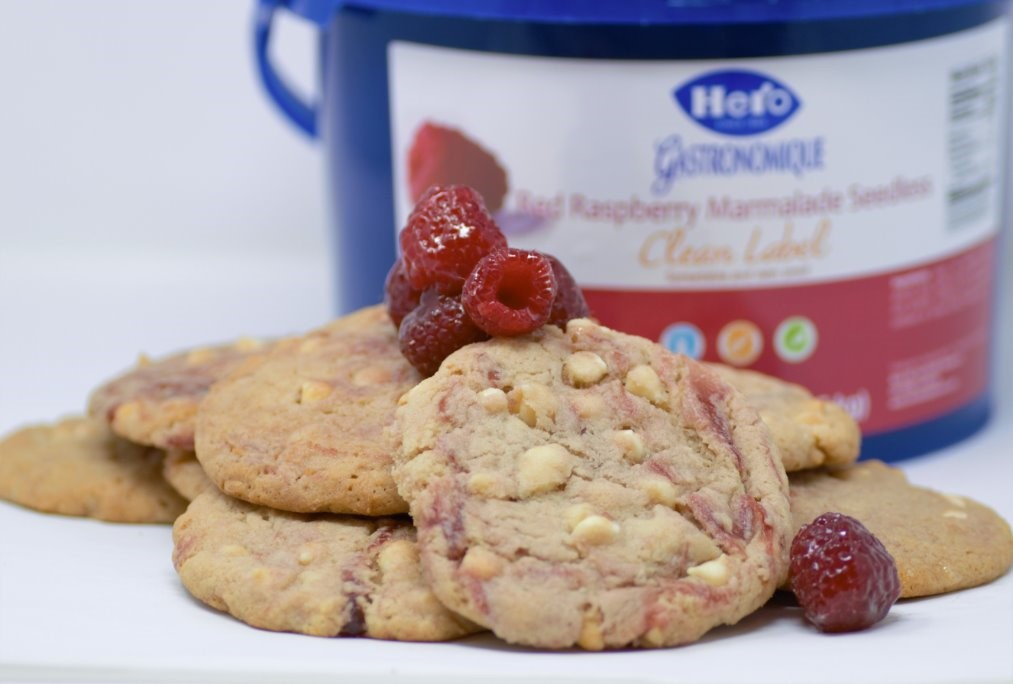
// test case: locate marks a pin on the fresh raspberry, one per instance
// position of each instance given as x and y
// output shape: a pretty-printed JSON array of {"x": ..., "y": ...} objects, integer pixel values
[
  {"x": 399, "y": 296},
  {"x": 510, "y": 292},
  {"x": 446, "y": 234},
  {"x": 440, "y": 155},
  {"x": 843, "y": 577},
  {"x": 569, "y": 302},
  {"x": 434, "y": 330}
]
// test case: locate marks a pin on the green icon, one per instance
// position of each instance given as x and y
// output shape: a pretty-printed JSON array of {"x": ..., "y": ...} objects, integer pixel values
[{"x": 795, "y": 339}]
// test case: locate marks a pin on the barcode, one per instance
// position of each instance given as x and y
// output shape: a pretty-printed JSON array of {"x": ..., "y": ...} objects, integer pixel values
[{"x": 972, "y": 142}]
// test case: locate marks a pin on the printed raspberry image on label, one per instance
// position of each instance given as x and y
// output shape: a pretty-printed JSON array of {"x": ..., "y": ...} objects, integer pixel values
[{"x": 441, "y": 155}]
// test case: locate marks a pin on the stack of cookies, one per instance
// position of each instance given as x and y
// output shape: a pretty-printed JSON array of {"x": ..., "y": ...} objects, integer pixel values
[{"x": 576, "y": 487}]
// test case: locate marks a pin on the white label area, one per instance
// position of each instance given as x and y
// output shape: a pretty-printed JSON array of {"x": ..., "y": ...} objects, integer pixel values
[{"x": 717, "y": 174}]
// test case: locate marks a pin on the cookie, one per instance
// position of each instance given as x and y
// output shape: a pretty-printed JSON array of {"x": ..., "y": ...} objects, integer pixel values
[
  {"x": 324, "y": 575},
  {"x": 155, "y": 402},
  {"x": 590, "y": 488},
  {"x": 810, "y": 432},
  {"x": 78, "y": 467},
  {"x": 183, "y": 472},
  {"x": 302, "y": 428},
  {"x": 940, "y": 542}
]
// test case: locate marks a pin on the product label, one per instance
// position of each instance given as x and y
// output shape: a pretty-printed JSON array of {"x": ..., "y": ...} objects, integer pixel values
[{"x": 827, "y": 218}]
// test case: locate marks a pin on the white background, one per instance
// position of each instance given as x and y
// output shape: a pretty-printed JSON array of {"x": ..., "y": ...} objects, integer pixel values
[
  {"x": 145, "y": 182},
  {"x": 130, "y": 127},
  {"x": 152, "y": 199}
]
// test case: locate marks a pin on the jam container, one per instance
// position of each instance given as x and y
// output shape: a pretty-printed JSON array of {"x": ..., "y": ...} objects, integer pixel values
[{"x": 808, "y": 188}]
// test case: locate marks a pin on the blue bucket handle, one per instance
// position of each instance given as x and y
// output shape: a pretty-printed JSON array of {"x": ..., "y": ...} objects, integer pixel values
[{"x": 303, "y": 115}]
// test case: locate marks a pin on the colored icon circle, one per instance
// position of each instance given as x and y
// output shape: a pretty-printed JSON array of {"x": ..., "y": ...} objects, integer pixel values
[
  {"x": 795, "y": 339},
  {"x": 740, "y": 343},
  {"x": 684, "y": 338}
]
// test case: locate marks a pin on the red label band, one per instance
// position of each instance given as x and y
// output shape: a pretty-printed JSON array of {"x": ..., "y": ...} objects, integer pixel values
[{"x": 894, "y": 349}]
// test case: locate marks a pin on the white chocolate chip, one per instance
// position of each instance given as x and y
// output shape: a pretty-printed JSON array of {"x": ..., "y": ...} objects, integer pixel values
[
  {"x": 595, "y": 530},
  {"x": 576, "y": 327},
  {"x": 959, "y": 515},
  {"x": 313, "y": 390},
  {"x": 305, "y": 556},
  {"x": 310, "y": 345},
  {"x": 543, "y": 468},
  {"x": 235, "y": 550},
  {"x": 484, "y": 484},
  {"x": 583, "y": 368},
  {"x": 630, "y": 445},
  {"x": 575, "y": 514},
  {"x": 654, "y": 637},
  {"x": 400, "y": 554},
  {"x": 533, "y": 403},
  {"x": 200, "y": 355},
  {"x": 78, "y": 429},
  {"x": 957, "y": 501},
  {"x": 247, "y": 344},
  {"x": 660, "y": 490},
  {"x": 371, "y": 375},
  {"x": 493, "y": 400},
  {"x": 644, "y": 382},
  {"x": 713, "y": 572},
  {"x": 591, "y": 636},
  {"x": 128, "y": 411},
  {"x": 481, "y": 563}
]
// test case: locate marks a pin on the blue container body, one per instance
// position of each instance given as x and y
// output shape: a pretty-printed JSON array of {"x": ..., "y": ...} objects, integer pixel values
[{"x": 353, "y": 115}]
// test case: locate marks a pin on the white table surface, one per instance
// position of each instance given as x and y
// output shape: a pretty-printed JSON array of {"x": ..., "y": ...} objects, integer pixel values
[{"x": 87, "y": 601}]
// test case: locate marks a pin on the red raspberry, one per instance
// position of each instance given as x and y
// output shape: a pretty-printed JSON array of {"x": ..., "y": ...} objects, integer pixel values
[
  {"x": 447, "y": 233},
  {"x": 399, "y": 296},
  {"x": 434, "y": 330},
  {"x": 843, "y": 577},
  {"x": 570, "y": 302},
  {"x": 510, "y": 292},
  {"x": 443, "y": 156}
]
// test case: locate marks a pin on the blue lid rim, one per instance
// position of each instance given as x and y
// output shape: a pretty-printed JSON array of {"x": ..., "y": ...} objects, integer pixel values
[
  {"x": 632, "y": 12},
  {"x": 931, "y": 435}
]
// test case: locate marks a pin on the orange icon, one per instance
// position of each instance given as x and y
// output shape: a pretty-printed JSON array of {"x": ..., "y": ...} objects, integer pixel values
[{"x": 740, "y": 343}]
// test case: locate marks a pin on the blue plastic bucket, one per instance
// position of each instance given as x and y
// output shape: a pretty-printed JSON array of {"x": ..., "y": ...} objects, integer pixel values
[{"x": 810, "y": 188}]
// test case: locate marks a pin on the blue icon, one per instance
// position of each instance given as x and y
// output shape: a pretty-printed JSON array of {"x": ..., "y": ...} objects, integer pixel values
[{"x": 684, "y": 338}]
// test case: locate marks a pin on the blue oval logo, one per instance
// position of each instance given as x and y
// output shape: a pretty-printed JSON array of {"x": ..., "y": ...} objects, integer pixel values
[{"x": 737, "y": 102}]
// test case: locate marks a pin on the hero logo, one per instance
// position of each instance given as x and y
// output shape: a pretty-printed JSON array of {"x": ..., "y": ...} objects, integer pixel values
[{"x": 737, "y": 102}]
